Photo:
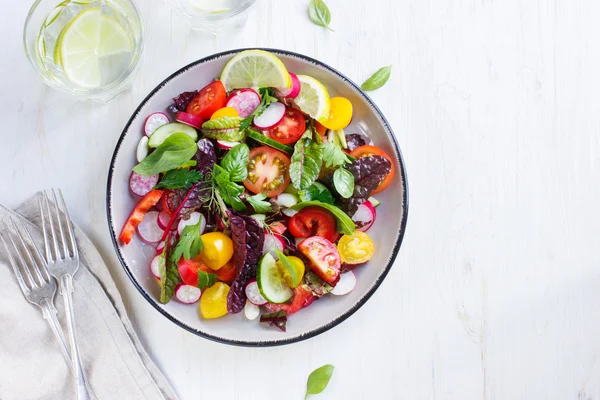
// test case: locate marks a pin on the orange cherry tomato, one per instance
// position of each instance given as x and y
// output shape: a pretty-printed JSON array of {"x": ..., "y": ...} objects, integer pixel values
[
  {"x": 225, "y": 112},
  {"x": 340, "y": 113},
  {"x": 364, "y": 151}
]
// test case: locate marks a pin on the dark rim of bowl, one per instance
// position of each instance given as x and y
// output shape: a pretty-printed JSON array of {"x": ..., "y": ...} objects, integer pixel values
[{"x": 307, "y": 335}]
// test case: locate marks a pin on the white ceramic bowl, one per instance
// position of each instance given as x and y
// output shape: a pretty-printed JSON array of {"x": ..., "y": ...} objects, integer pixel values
[{"x": 322, "y": 315}]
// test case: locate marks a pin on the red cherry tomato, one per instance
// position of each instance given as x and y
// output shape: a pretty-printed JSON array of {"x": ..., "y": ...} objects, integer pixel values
[
  {"x": 210, "y": 99},
  {"x": 290, "y": 128},
  {"x": 364, "y": 151},
  {"x": 321, "y": 130},
  {"x": 164, "y": 203},
  {"x": 323, "y": 256},
  {"x": 188, "y": 270},
  {"x": 268, "y": 171},
  {"x": 302, "y": 298},
  {"x": 278, "y": 227},
  {"x": 313, "y": 221}
]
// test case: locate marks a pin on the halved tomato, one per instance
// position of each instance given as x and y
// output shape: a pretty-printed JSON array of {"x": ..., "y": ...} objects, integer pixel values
[
  {"x": 188, "y": 270},
  {"x": 211, "y": 98},
  {"x": 364, "y": 151},
  {"x": 290, "y": 128},
  {"x": 302, "y": 298},
  {"x": 321, "y": 130},
  {"x": 268, "y": 171},
  {"x": 323, "y": 257},
  {"x": 313, "y": 221}
]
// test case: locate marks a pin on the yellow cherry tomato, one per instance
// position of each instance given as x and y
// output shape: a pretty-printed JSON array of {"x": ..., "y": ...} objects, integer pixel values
[
  {"x": 340, "y": 113},
  {"x": 298, "y": 265},
  {"x": 357, "y": 248},
  {"x": 218, "y": 249},
  {"x": 213, "y": 303},
  {"x": 225, "y": 112}
]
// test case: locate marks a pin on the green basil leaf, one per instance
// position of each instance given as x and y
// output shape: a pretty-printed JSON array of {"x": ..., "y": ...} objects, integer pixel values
[
  {"x": 319, "y": 379},
  {"x": 333, "y": 155},
  {"x": 206, "y": 280},
  {"x": 174, "y": 152},
  {"x": 189, "y": 244},
  {"x": 319, "y": 13},
  {"x": 343, "y": 180},
  {"x": 236, "y": 162},
  {"x": 378, "y": 79},
  {"x": 317, "y": 191},
  {"x": 259, "y": 204},
  {"x": 306, "y": 162},
  {"x": 289, "y": 266},
  {"x": 344, "y": 224},
  {"x": 179, "y": 179}
]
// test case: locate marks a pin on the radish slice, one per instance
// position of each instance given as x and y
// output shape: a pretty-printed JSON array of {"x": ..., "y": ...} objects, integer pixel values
[
  {"x": 253, "y": 294},
  {"x": 156, "y": 264},
  {"x": 273, "y": 242},
  {"x": 141, "y": 185},
  {"x": 160, "y": 247},
  {"x": 271, "y": 116},
  {"x": 192, "y": 220},
  {"x": 345, "y": 284},
  {"x": 155, "y": 121},
  {"x": 291, "y": 92},
  {"x": 163, "y": 219},
  {"x": 224, "y": 144},
  {"x": 187, "y": 294},
  {"x": 149, "y": 230},
  {"x": 260, "y": 218},
  {"x": 364, "y": 217},
  {"x": 245, "y": 101},
  {"x": 298, "y": 240},
  {"x": 288, "y": 212},
  {"x": 286, "y": 200},
  {"x": 251, "y": 311},
  {"x": 142, "y": 149},
  {"x": 189, "y": 119}
]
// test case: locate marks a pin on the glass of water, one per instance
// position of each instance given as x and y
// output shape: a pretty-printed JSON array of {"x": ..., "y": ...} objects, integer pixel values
[
  {"x": 84, "y": 47},
  {"x": 213, "y": 16}
]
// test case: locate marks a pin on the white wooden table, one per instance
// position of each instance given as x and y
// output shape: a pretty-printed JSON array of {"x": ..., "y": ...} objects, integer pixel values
[{"x": 495, "y": 293}]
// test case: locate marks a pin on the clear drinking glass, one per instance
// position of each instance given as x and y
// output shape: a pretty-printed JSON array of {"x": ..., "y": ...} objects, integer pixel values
[
  {"x": 213, "y": 16},
  {"x": 84, "y": 47}
]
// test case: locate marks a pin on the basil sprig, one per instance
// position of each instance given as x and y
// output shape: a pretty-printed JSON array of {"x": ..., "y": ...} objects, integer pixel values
[{"x": 175, "y": 151}]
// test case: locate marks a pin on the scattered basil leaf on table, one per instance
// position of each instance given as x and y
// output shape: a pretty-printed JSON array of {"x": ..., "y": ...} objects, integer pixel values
[
  {"x": 334, "y": 156},
  {"x": 319, "y": 13},
  {"x": 343, "y": 180},
  {"x": 179, "y": 179},
  {"x": 344, "y": 224},
  {"x": 289, "y": 266},
  {"x": 378, "y": 79},
  {"x": 259, "y": 204},
  {"x": 174, "y": 152},
  {"x": 206, "y": 280},
  {"x": 319, "y": 379},
  {"x": 236, "y": 162},
  {"x": 190, "y": 243},
  {"x": 305, "y": 162}
]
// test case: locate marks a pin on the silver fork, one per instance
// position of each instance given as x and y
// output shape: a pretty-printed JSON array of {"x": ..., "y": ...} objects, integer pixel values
[{"x": 62, "y": 266}]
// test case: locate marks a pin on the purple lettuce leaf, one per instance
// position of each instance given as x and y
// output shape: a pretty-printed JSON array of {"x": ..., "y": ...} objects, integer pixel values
[
  {"x": 368, "y": 173},
  {"x": 277, "y": 319},
  {"x": 248, "y": 239},
  {"x": 355, "y": 140},
  {"x": 181, "y": 102}
]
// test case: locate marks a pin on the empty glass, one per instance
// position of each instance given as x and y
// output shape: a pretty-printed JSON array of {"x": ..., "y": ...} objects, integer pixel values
[{"x": 213, "y": 16}]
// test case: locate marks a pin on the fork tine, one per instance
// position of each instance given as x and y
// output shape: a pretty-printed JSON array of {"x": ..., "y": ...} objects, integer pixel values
[
  {"x": 31, "y": 281},
  {"x": 74, "y": 249},
  {"x": 46, "y": 244},
  {"x": 44, "y": 266},
  {"x": 15, "y": 268},
  {"x": 33, "y": 263},
  {"x": 60, "y": 226},
  {"x": 52, "y": 230}
]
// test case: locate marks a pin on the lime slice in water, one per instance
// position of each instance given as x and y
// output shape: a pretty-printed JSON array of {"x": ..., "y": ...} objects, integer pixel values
[{"x": 92, "y": 46}]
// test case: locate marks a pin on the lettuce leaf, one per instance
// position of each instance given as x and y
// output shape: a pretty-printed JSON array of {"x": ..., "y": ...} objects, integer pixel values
[
  {"x": 224, "y": 128},
  {"x": 368, "y": 173},
  {"x": 306, "y": 162}
]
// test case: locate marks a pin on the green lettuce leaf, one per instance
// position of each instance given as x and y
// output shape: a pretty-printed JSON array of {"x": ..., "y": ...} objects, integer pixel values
[{"x": 306, "y": 162}]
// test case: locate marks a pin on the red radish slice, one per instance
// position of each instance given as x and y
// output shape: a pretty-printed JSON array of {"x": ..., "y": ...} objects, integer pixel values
[
  {"x": 141, "y": 185},
  {"x": 251, "y": 311},
  {"x": 189, "y": 119},
  {"x": 155, "y": 121},
  {"x": 163, "y": 219},
  {"x": 156, "y": 264},
  {"x": 288, "y": 212},
  {"x": 245, "y": 101},
  {"x": 160, "y": 247},
  {"x": 364, "y": 217},
  {"x": 142, "y": 149},
  {"x": 220, "y": 224},
  {"x": 224, "y": 144},
  {"x": 273, "y": 242},
  {"x": 298, "y": 241},
  {"x": 253, "y": 294},
  {"x": 345, "y": 284},
  {"x": 187, "y": 294},
  {"x": 291, "y": 92},
  {"x": 271, "y": 116},
  {"x": 149, "y": 230},
  {"x": 192, "y": 220}
]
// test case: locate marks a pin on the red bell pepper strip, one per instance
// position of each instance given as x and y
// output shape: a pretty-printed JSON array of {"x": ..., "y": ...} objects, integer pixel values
[{"x": 138, "y": 213}]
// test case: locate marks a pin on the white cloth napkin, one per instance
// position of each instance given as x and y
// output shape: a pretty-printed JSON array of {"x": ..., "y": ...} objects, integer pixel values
[{"x": 31, "y": 363}]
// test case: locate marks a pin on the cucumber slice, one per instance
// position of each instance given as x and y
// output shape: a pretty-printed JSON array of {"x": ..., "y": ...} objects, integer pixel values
[
  {"x": 262, "y": 139},
  {"x": 374, "y": 201},
  {"x": 271, "y": 282},
  {"x": 162, "y": 133}
]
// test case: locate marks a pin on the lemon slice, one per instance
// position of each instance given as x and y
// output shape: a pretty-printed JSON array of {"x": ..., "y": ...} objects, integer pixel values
[
  {"x": 255, "y": 69},
  {"x": 313, "y": 98},
  {"x": 90, "y": 47}
]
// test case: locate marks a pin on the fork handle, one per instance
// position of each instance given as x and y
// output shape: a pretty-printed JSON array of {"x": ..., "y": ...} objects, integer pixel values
[
  {"x": 50, "y": 312},
  {"x": 66, "y": 289}
]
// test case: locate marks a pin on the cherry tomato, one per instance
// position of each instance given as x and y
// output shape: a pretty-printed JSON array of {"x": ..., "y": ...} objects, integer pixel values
[
  {"x": 302, "y": 298},
  {"x": 278, "y": 227},
  {"x": 364, "y": 151},
  {"x": 213, "y": 303},
  {"x": 357, "y": 248},
  {"x": 188, "y": 270},
  {"x": 225, "y": 112},
  {"x": 340, "y": 113},
  {"x": 323, "y": 256},
  {"x": 268, "y": 171},
  {"x": 299, "y": 267},
  {"x": 313, "y": 221},
  {"x": 227, "y": 272},
  {"x": 290, "y": 128},
  {"x": 164, "y": 203},
  {"x": 321, "y": 130},
  {"x": 210, "y": 99},
  {"x": 218, "y": 249}
]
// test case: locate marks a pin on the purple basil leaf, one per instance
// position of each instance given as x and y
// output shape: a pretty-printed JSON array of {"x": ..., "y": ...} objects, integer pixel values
[
  {"x": 355, "y": 140},
  {"x": 368, "y": 173},
  {"x": 182, "y": 101}
]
